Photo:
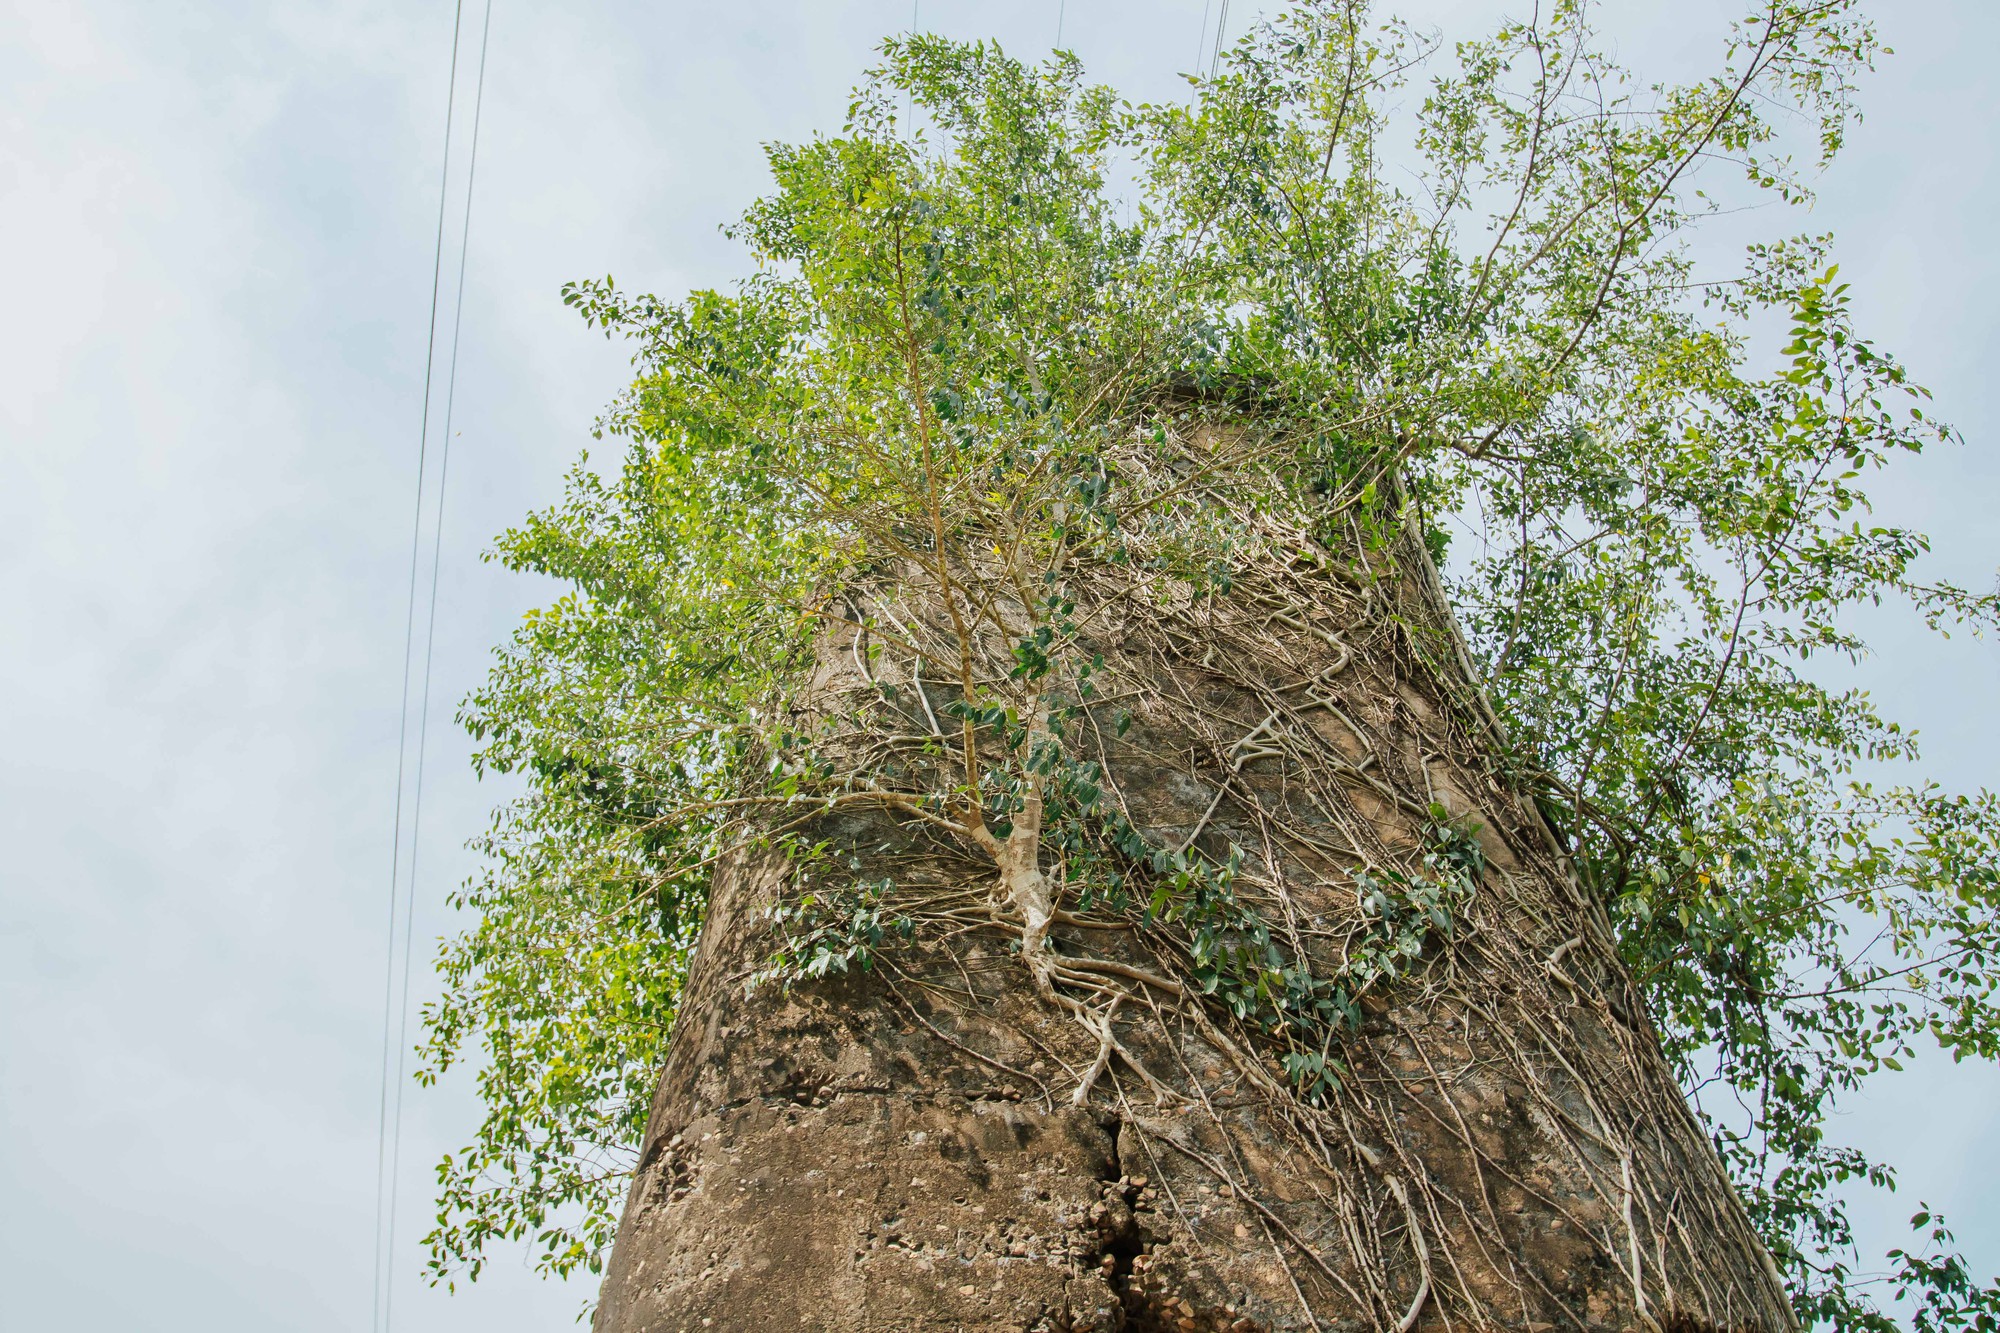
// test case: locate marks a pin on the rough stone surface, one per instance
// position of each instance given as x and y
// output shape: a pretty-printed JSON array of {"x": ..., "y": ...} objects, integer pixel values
[
  {"x": 897, "y": 1150},
  {"x": 826, "y": 1161}
]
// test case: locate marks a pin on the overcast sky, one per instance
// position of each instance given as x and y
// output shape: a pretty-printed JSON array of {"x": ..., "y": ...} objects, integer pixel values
[{"x": 215, "y": 251}]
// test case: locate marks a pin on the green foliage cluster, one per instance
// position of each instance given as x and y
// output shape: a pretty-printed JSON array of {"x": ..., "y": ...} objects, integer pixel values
[
  {"x": 826, "y": 933},
  {"x": 1236, "y": 957},
  {"x": 1653, "y": 530}
]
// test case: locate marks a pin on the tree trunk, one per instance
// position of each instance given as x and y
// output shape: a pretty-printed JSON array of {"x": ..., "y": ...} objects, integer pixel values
[{"x": 1501, "y": 1144}]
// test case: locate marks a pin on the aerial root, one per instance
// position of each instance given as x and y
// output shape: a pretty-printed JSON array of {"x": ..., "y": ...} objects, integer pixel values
[
  {"x": 1105, "y": 1043},
  {"x": 1646, "y": 1319},
  {"x": 1409, "y": 1319}
]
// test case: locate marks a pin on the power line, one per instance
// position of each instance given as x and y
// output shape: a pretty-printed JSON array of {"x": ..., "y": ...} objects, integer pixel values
[
  {"x": 1221, "y": 27},
  {"x": 391, "y": 1126},
  {"x": 403, "y": 714},
  {"x": 1201, "y": 40}
]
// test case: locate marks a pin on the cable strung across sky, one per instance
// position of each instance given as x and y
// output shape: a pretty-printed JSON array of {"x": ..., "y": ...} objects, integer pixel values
[{"x": 396, "y": 999}]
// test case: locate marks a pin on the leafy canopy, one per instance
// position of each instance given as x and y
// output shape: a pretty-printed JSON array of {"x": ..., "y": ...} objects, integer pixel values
[{"x": 1453, "y": 279}]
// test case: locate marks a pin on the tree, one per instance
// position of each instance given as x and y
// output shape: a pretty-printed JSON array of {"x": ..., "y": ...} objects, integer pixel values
[{"x": 1134, "y": 887}]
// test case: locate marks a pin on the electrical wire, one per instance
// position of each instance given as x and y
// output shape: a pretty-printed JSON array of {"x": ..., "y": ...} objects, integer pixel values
[
  {"x": 390, "y": 1125},
  {"x": 403, "y": 713},
  {"x": 1221, "y": 27}
]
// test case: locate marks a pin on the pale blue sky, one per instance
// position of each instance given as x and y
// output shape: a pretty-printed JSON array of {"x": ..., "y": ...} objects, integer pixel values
[{"x": 215, "y": 232}]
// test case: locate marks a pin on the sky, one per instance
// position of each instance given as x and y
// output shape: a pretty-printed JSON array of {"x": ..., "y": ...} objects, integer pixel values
[{"x": 216, "y": 230}]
